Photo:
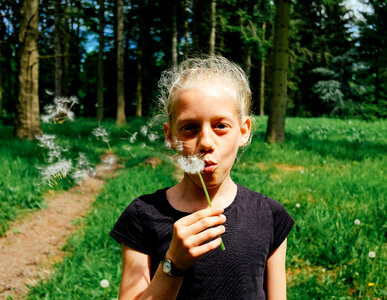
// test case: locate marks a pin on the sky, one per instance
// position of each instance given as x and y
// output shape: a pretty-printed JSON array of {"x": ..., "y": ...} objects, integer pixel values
[{"x": 358, "y": 6}]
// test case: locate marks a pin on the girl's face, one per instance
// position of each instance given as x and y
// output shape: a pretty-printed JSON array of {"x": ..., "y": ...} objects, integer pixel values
[{"x": 206, "y": 122}]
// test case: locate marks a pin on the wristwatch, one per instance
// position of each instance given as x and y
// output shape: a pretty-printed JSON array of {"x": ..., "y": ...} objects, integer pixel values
[{"x": 170, "y": 269}]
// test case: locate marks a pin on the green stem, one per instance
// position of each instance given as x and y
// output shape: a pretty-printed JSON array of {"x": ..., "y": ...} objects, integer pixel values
[{"x": 210, "y": 205}]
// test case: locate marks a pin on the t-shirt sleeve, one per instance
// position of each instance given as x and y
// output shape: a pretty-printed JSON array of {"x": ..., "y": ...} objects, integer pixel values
[
  {"x": 129, "y": 228},
  {"x": 282, "y": 223}
]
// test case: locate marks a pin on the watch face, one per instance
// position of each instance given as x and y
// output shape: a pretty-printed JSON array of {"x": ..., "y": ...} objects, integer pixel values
[{"x": 167, "y": 266}]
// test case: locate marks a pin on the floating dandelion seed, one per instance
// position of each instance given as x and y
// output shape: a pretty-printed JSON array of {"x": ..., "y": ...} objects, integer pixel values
[
  {"x": 60, "y": 110},
  {"x": 133, "y": 137},
  {"x": 101, "y": 132},
  {"x": 357, "y": 222},
  {"x": 48, "y": 92},
  {"x": 167, "y": 144},
  {"x": 152, "y": 136},
  {"x": 144, "y": 130},
  {"x": 108, "y": 162},
  {"x": 104, "y": 283},
  {"x": 193, "y": 164},
  {"x": 372, "y": 254},
  {"x": 129, "y": 149},
  {"x": 178, "y": 144},
  {"x": 83, "y": 169},
  {"x": 55, "y": 171}
]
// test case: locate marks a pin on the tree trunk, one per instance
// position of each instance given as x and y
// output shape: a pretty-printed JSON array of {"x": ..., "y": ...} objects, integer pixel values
[
  {"x": 1, "y": 79},
  {"x": 262, "y": 83},
  {"x": 121, "y": 117},
  {"x": 66, "y": 47},
  {"x": 249, "y": 47},
  {"x": 213, "y": 27},
  {"x": 100, "y": 79},
  {"x": 174, "y": 34},
  {"x": 276, "y": 122},
  {"x": 186, "y": 28},
  {"x": 247, "y": 60},
  {"x": 139, "y": 75},
  {"x": 28, "y": 123},
  {"x": 58, "y": 50}
]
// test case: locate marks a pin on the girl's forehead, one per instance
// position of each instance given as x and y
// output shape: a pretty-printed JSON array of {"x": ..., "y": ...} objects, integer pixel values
[{"x": 207, "y": 100}]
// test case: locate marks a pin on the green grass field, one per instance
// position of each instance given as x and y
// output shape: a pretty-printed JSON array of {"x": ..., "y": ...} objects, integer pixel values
[{"x": 330, "y": 176}]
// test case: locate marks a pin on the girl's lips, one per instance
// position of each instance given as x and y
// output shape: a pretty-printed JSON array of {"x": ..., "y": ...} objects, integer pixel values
[{"x": 209, "y": 167}]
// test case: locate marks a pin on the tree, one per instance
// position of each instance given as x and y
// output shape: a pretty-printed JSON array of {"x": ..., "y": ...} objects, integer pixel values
[
  {"x": 101, "y": 46},
  {"x": 28, "y": 123},
  {"x": 262, "y": 80},
  {"x": 174, "y": 33},
  {"x": 186, "y": 27},
  {"x": 372, "y": 74},
  {"x": 58, "y": 49},
  {"x": 276, "y": 123},
  {"x": 213, "y": 27},
  {"x": 121, "y": 117}
]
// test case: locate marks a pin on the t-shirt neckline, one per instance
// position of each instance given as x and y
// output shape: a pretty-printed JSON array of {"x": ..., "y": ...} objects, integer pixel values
[{"x": 179, "y": 214}]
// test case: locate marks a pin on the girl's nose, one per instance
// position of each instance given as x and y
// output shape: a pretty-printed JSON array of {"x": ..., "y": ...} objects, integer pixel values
[{"x": 206, "y": 141}]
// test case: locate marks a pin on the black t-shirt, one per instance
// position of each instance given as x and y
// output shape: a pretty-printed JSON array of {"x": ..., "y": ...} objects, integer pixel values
[{"x": 256, "y": 225}]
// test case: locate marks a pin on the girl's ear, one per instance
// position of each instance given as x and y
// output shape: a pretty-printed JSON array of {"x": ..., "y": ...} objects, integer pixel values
[
  {"x": 168, "y": 135},
  {"x": 245, "y": 132}
]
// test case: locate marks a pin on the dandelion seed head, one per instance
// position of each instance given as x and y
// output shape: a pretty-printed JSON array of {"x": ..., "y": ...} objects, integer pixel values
[
  {"x": 191, "y": 164},
  {"x": 298, "y": 205},
  {"x": 357, "y": 222},
  {"x": 372, "y": 254},
  {"x": 104, "y": 283}
]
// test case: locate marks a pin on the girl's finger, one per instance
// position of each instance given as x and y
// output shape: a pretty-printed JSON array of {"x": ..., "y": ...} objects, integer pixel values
[
  {"x": 204, "y": 223},
  {"x": 204, "y": 248},
  {"x": 206, "y": 235},
  {"x": 200, "y": 214}
]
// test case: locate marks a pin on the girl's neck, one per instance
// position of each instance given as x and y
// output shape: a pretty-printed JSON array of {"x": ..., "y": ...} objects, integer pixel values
[{"x": 189, "y": 197}]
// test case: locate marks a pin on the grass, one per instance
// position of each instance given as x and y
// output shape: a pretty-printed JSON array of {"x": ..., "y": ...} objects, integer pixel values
[{"x": 328, "y": 174}]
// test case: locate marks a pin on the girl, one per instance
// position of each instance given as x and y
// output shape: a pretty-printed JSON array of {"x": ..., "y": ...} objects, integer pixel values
[{"x": 170, "y": 239}]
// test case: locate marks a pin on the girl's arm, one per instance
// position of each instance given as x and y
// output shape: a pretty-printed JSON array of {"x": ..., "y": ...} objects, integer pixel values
[
  {"x": 276, "y": 274},
  {"x": 135, "y": 280},
  {"x": 188, "y": 244}
]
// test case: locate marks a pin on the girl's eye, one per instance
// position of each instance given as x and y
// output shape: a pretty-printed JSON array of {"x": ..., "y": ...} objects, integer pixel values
[
  {"x": 221, "y": 126},
  {"x": 188, "y": 129}
]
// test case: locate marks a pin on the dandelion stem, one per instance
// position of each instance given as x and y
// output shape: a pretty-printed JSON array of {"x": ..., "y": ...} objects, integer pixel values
[{"x": 210, "y": 205}]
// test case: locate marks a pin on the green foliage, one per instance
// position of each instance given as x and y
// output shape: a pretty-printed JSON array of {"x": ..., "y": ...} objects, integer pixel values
[{"x": 330, "y": 176}]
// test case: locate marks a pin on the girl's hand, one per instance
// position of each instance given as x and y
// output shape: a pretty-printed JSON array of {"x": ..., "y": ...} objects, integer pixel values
[{"x": 190, "y": 234}]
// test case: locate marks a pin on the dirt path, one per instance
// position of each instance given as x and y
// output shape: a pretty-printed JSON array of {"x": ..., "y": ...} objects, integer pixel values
[{"x": 33, "y": 245}]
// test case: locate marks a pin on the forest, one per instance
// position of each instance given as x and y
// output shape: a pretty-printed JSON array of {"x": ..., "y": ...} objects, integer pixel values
[{"x": 109, "y": 55}]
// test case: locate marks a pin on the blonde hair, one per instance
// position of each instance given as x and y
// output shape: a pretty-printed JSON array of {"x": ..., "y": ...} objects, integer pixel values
[{"x": 195, "y": 70}]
